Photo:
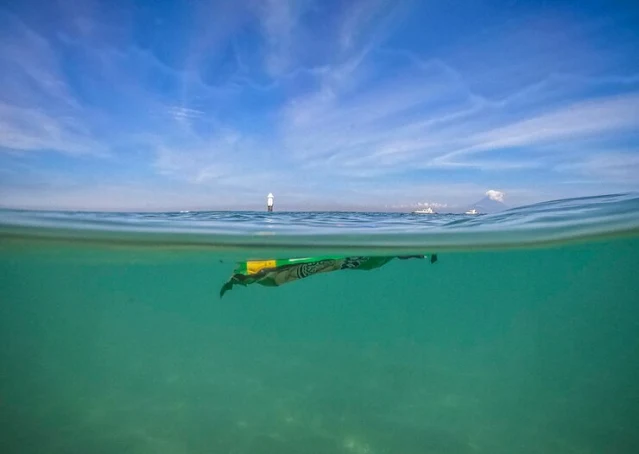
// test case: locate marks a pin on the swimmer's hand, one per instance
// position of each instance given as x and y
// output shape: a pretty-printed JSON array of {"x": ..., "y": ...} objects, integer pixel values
[{"x": 225, "y": 288}]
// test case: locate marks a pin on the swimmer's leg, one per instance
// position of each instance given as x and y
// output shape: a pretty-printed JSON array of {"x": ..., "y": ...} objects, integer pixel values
[{"x": 433, "y": 258}]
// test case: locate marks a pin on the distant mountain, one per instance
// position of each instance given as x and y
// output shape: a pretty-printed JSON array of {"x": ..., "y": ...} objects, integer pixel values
[{"x": 489, "y": 205}]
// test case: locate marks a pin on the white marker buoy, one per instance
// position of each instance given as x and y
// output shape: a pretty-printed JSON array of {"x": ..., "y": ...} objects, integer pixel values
[{"x": 269, "y": 202}]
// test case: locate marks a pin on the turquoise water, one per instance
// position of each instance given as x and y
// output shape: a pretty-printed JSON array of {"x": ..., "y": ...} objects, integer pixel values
[{"x": 522, "y": 338}]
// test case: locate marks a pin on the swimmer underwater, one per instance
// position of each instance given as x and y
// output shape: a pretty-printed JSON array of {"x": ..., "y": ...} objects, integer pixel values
[{"x": 273, "y": 273}]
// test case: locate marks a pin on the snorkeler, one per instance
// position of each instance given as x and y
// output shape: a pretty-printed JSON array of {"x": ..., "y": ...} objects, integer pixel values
[{"x": 273, "y": 273}]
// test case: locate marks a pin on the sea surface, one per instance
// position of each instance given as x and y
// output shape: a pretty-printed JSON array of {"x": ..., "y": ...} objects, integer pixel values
[{"x": 523, "y": 337}]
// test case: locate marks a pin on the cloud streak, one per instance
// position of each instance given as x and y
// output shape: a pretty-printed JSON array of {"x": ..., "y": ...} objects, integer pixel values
[
  {"x": 38, "y": 111},
  {"x": 24, "y": 129},
  {"x": 594, "y": 118}
]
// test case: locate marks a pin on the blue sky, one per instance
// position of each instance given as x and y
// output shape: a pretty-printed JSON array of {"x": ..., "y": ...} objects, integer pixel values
[{"x": 155, "y": 105}]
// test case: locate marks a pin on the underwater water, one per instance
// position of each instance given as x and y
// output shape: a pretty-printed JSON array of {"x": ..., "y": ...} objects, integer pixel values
[{"x": 523, "y": 337}]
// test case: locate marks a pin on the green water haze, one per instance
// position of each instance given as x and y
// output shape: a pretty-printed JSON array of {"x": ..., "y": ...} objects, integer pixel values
[{"x": 131, "y": 350}]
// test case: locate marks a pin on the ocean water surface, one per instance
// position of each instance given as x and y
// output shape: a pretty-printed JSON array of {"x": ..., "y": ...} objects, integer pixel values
[{"x": 522, "y": 337}]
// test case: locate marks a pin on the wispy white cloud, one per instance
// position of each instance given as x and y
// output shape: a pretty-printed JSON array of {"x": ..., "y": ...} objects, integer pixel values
[
  {"x": 205, "y": 164},
  {"x": 610, "y": 115},
  {"x": 620, "y": 167},
  {"x": 30, "y": 67},
  {"x": 431, "y": 120},
  {"x": 364, "y": 22},
  {"x": 279, "y": 18},
  {"x": 33, "y": 130},
  {"x": 37, "y": 109},
  {"x": 383, "y": 124},
  {"x": 184, "y": 112}
]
